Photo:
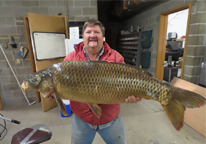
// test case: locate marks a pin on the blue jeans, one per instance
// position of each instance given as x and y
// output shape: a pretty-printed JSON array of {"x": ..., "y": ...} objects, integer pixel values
[{"x": 82, "y": 133}]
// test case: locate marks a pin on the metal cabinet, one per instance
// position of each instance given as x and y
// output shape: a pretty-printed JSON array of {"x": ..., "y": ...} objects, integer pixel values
[{"x": 129, "y": 48}]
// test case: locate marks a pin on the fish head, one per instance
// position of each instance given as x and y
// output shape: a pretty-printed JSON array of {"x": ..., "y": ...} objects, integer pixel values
[{"x": 40, "y": 81}]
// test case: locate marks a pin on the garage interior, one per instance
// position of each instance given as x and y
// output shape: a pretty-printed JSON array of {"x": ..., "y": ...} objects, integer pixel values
[{"x": 133, "y": 29}]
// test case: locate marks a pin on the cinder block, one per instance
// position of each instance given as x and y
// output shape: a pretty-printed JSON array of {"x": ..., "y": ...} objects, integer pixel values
[
  {"x": 89, "y": 11},
  {"x": 198, "y": 18},
  {"x": 10, "y": 101},
  {"x": 152, "y": 69},
  {"x": 23, "y": 71},
  {"x": 198, "y": 29},
  {"x": 10, "y": 20},
  {"x": 6, "y": 12},
  {"x": 201, "y": 6},
  {"x": 26, "y": 63},
  {"x": 175, "y": 3},
  {"x": 11, "y": 3},
  {"x": 3, "y": 21},
  {"x": 19, "y": 23},
  {"x": 57, "y": 10},
  {"x": 10, "y": 87},
  {"x": 62, "y": 3},
  {"x": 94, "y": 16},
  {"x": 4, "y": 79},
  {"x": 194, "y": 61},
  {"x": 3, "y": 64},
  {"x": 193, "y": 10},
  {"x": 21, "y": 11},
  {"x": 196, "y": 51},
  {"x": 8, "y": 94},
  {"x": 93, "y": 3},
  {"x": 80, "y": 3},
  {"x": 30, "y": 93},
  {"x": 192, "y": 79},
  {"x": 8, "y": 55},
  {"x": 192, "y": 71},
  {"x": 5, "y": 72},
  {"x": 40, "y": 10},
  {"x": 51, "y": 3},
  {"x": 19, "y": 18},
  {"x": 81, "y": 18},
  {"x": 21, "y": 31},
  {"x": 14, "y": 64},
  {"x": 73, "y": 11},
  {"x": 30, "y": 3},
  {"x": 195, "y": 40},
  {"x": 153, "y": 62},
  {"x": 20, "y": 78}
]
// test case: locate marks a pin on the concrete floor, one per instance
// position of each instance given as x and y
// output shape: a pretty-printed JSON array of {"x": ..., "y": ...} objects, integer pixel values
[{"x": 145, "y": 123}]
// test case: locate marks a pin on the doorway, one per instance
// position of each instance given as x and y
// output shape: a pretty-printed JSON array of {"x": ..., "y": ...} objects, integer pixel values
[{"x": 164, "y": 37}]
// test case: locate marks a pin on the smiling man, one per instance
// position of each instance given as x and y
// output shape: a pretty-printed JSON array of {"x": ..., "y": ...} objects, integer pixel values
[{"x": 85, "y": 124}]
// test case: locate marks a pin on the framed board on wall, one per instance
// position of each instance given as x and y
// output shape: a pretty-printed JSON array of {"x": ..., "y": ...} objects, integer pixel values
[{"x": 48, "y": 45}]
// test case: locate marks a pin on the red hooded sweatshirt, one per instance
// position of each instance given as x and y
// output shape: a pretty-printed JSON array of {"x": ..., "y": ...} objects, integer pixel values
[{"x": 82, "y": 110}]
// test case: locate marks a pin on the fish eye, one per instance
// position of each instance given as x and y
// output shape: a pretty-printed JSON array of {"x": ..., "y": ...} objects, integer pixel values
[{"x": 44, "y": 72}]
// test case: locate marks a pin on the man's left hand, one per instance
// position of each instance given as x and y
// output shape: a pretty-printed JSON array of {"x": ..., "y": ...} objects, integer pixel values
[{"x": 133, "y": 99}]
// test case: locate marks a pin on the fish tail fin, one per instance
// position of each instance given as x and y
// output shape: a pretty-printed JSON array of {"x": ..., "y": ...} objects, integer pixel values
[
  {"x": 187, "y": 98},
  {"x": 181, "y": 100},
  {"x": 175, "y": 112}
]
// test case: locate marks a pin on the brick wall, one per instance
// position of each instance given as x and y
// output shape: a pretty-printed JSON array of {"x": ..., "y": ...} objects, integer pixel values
[
  {"x": 11, "y": 25},
  {"x": 196, "y": 47},
  {"x": 149, "y": 20}
]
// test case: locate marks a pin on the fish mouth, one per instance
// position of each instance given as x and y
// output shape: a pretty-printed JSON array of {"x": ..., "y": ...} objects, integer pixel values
[
  {"x": 49, "y": 93},
  {"x": 24, "y": 86}
]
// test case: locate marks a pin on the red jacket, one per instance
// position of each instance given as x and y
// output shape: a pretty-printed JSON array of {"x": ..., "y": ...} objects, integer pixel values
[{"x": 82, "y": 110}]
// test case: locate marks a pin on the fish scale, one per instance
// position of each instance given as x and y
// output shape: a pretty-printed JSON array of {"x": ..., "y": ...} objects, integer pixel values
[
  {"x": 99, "y": 82},
  {"x": 115, "y": 81}
]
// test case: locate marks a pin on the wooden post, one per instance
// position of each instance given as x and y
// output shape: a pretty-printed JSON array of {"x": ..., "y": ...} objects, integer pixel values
[{"x": 1, "y": 105}]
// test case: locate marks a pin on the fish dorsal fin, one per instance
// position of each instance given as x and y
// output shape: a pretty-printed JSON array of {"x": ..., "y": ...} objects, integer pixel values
[
  {"x": 61, "y": 105},
  {"x": 95, "y": 109}
]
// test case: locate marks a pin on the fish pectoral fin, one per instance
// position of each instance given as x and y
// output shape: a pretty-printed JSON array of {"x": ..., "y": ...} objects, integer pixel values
[
  {"x": 175, "y": 112},
  {"x": 61, "y": 105},
  {"x": 95, "y": 109}
]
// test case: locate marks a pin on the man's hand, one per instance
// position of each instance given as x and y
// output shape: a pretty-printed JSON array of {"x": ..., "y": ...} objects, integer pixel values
[{"x": 132, "y": 99}]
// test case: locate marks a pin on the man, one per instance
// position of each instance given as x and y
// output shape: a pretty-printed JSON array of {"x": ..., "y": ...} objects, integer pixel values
[{"x": 85, "y": 124}]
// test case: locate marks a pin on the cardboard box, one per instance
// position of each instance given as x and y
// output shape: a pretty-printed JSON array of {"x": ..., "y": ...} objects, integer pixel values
[{"x": 195, "y": 118}]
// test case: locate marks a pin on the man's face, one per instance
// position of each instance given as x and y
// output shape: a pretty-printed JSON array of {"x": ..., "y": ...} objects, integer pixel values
[{"x": 93, "y": 39}]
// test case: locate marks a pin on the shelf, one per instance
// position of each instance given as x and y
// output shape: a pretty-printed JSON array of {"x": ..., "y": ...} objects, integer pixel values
[
  {"x": 132, "y": 38},
  {"x": 136, "y": 9}
]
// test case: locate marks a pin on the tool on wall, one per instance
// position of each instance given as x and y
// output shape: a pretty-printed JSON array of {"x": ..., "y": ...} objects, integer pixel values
[
  {"x": 13, "y": 44},
  {"x": 23, "y": 52},
  {"x": 16, "y": 77}
]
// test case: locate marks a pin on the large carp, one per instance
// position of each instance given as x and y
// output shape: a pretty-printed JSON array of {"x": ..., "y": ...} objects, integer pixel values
[{"x": 100, "y": 82}]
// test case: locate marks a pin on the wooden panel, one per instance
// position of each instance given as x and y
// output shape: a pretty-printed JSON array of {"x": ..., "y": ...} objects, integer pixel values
[
  {"x": 162, "y": 39},
  {"x": 161, "y": 47},
  {"x": 44, "y": 23},
  {"x": 31, "y": 55},
  {"x": 1, "y": 105},
  {"x": 196, "y": 117}
]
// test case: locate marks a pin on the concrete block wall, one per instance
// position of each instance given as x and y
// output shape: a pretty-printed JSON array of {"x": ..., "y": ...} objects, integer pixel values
[
  {"x": 196, "y": 47},
  {"x": 149, "y": 20},
  {"x": 11, "y": 25}
]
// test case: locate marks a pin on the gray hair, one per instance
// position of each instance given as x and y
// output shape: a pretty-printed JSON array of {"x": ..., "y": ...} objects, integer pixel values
[{"x": 92, "y": 22}]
